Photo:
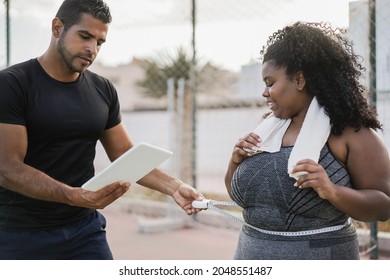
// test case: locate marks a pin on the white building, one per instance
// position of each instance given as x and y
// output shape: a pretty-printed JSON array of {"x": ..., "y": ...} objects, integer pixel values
[
  {"x": 360, "y": 34},
  {"x": 250, "y": 84}
]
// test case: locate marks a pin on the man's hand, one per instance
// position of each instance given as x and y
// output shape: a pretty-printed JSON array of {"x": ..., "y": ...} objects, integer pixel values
[
  {"x": 184, "y": 195},
  {"x": 98, "y": 199}
]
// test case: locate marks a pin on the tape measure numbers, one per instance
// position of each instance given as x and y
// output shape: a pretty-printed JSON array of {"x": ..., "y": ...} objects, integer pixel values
[{"x": 211, "y": 204}]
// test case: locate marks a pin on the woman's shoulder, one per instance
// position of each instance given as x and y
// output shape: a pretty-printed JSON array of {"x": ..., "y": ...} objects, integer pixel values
[
  {"x": 358, "y": 141},
  {"x": 363, "y": 138}
]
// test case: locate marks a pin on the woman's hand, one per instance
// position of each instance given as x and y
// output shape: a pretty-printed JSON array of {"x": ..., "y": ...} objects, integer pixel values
[
  {"x": 315, "y": 177},
  {"x": 245, "y": 146}
]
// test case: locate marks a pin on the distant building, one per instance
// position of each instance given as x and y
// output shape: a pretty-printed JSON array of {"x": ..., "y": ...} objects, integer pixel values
[
  {"x": 124, "y": 77},
  {"x": 383, "y": 46},
  {"x": 216, "y": 87},
  {"x": 250, "y": 84},
  {"x": 359, "y": 33}
]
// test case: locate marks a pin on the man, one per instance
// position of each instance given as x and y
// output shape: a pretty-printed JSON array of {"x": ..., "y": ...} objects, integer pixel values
[{"x": 52, "y": 112}]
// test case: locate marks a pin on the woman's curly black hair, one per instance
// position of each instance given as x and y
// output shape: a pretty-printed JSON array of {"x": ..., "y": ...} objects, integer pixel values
[{"x": 330, "y": 67}]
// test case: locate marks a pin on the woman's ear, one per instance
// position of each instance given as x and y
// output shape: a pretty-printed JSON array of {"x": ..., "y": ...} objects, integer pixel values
[{"x": 300, "y": 80}]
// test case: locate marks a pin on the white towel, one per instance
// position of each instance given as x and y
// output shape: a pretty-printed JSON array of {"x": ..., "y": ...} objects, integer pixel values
[{"x": 312, "y": 137}]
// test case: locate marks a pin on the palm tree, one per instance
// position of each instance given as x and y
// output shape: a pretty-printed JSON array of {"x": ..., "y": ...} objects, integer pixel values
[
  {"x": 155, "y": 85},
  {"x": 157, "y": 72}
]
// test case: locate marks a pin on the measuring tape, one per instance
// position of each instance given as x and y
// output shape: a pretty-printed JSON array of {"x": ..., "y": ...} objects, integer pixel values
[{"x": 211, "y": 204}]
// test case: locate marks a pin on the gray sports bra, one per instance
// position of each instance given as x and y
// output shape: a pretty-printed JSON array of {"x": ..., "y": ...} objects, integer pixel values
[{"x": 262, "y": 187}]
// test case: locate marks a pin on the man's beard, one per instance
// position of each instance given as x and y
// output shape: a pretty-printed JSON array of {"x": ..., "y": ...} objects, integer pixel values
[{"x": 67, "y": 57}]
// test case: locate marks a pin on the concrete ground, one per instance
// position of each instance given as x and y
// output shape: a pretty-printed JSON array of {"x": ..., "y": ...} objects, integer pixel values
[
  {"x": 145, "y": 235},
  {"x": 184, "y": 243}
]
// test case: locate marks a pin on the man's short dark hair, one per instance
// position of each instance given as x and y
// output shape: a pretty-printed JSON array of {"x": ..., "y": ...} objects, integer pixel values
[{"x": 70, "y": 11}]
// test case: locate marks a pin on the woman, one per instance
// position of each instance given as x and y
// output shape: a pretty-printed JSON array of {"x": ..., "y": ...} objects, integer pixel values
[{"x": 352, "y": 176}]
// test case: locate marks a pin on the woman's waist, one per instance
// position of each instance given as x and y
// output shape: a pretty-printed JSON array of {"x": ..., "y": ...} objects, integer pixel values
[
  {"x": 273, "y": 219},
  {"x": 346, "y": 231},
  {"x": 299, "y": 231}
]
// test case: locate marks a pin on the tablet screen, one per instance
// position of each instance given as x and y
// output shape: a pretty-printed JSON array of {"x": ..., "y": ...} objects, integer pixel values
[{"x": 130, "y": 167}]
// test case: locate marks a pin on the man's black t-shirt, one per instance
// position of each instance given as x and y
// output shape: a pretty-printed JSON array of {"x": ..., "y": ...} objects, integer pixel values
[{"x": 63, "y": 122}]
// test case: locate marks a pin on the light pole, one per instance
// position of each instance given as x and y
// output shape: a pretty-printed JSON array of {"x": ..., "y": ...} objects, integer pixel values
[{"x": 6, "y": 2}]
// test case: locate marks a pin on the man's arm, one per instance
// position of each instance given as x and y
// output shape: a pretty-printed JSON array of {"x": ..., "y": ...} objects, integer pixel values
[
  {"x": 19, "y": 177},
  {"x": 116, "y": 141}
]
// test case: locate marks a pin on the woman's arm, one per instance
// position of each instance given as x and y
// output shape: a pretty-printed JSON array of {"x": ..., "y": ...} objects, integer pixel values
[
  {"x": 368, "y": 163},
  {"x": 249, "y": 142}
]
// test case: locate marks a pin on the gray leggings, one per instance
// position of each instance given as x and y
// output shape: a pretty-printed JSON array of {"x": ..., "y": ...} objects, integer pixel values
[{"x": 252, "y": 248}]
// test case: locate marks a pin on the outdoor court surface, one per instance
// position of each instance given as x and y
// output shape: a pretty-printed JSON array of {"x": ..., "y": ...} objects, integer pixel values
[
  {"x": 199, "y": 242},
  {"x": 195, "y": 243}
]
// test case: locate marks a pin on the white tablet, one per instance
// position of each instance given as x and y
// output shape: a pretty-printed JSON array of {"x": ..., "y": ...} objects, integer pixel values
[{"x": 129, "y": 167}]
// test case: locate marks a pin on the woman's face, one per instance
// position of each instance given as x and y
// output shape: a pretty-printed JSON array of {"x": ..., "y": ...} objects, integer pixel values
[{"x": 284, "y": 94}]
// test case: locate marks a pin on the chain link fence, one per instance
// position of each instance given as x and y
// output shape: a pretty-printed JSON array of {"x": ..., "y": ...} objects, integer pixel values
[{"x": 213, "y": 46}]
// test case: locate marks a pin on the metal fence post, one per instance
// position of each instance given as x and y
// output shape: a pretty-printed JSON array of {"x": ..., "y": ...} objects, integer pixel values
[
  {"x": 8, "y": 41},
  {"x": 372, "y": 43},
  {"x": 193, "y": 94}
]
